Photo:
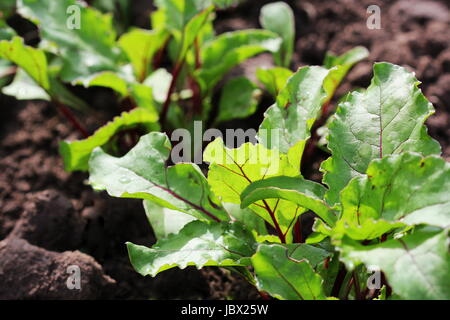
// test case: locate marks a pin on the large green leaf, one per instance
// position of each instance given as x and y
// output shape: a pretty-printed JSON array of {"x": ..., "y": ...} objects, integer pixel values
[
  {"x": 229, "y": 49},
  {"x": 304, "y": 193},
  {"x": 87, "y": 49},
  {"x": 32, "y": 60},
  {"x": 386, "y": 119},
  {"x": 197, "y": 244},
  {"x": 232, "y": 170},
  {"x": 417, "y": 266},
  {"x": 288, "y": 273},
  {"x": 142, "y": 173},
  {"x": 239, "y": 99},
  {"x": 278, "y": 17},
  {"x": 76, "y": 153},
  {"x": 341, "y": 65}
]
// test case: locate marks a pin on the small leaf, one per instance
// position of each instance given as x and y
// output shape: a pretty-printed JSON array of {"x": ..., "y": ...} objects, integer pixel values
[
  {"x": 274, "y": 79},
  {"x": 341, "y": 65},
  {"x": 304, "y": 193},
  {"x": 105, "y": 79},
  {"x": 278, "y": 17},
  {"x": 286, "y": 275},
  {"x": 298, "y": 106},
  {"x": 239, "y": 99},
  {"x": 32, "y": 60},
  {"x": 230, "y": 49},
  {"x": 416, "y": 266},
  {"x": 141, "y": 45},
  {"x": 142, "y": 173},
  {"x": 386, "y": 119},
  {"x": 197, "y": 244},
  {"x": 24, "y": 87},
  {"x": 76, "y": 154}
]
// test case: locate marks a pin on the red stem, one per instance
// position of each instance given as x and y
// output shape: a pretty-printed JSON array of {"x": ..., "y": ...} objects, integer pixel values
[
  {"x": 71, "y": 117},
  {"x": 175, "y": 74},
  {"x": 298, "y": 231},
  {"x": 275, "y": 222}
]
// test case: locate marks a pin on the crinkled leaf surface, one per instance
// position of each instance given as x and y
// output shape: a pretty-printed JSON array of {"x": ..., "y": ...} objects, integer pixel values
[
  {"x": 304, "y": 193},
  {"x": 199, "y": 244},
  {"x": 386, "y": 119},
  {"x": 142, "y": 173},
  {"x": 287, "y": 274},
  {"x": 278, "y": 17},
  {"x": 417, "y": 266},
  {"x": 406, "y": 188},
  {"x": 76, "y": 153}
]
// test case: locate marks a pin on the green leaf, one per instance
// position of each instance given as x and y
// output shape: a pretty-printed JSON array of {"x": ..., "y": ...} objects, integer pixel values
[
  {"x": 416, "y": 266},
  {"x": 190, "y": 33},
  {"x": 24, "y": 87},
  {"x": 278, "y": 17},
  {"x": 197, "y": 244},
  {"x": 142, "y": 173},
  {"x": 230, "y": 49},
  {"x": 141, "y": 45},
  {"x": 232, "y": 170},
  {"x": 286, "y": 125},
  {"x": 76, "y": 153},
  {"x": 105, "y": 79},
  {"x": 239, "y": 99},
  {"x": 287, "y": 274},
  {"x": 405, "y": 188},
  {"x": 32, "y": 60},
  {"x": 304, "y": 193},
  {"x": 386, "y": 119},
  {"x": 159, "y": 81},
  {"x": 274, "y": 79},
  {"x": 341, "y": 65},
  {"x": 247, "y": 218},
  {"x": 88, "y": 48},
  {"x": 165, "y": 221},
  {"x": 6, "y": 32}
]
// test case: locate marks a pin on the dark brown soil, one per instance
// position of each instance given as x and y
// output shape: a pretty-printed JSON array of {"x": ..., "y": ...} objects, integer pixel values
[{"x": 48, "y": 217}]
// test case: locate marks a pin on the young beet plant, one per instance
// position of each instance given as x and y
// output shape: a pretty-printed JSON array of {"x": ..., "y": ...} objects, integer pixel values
[{"x": 383, "y": 210}]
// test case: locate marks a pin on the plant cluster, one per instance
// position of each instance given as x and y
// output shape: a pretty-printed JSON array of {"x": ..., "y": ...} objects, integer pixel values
[{"x": 382, "y": 209}]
